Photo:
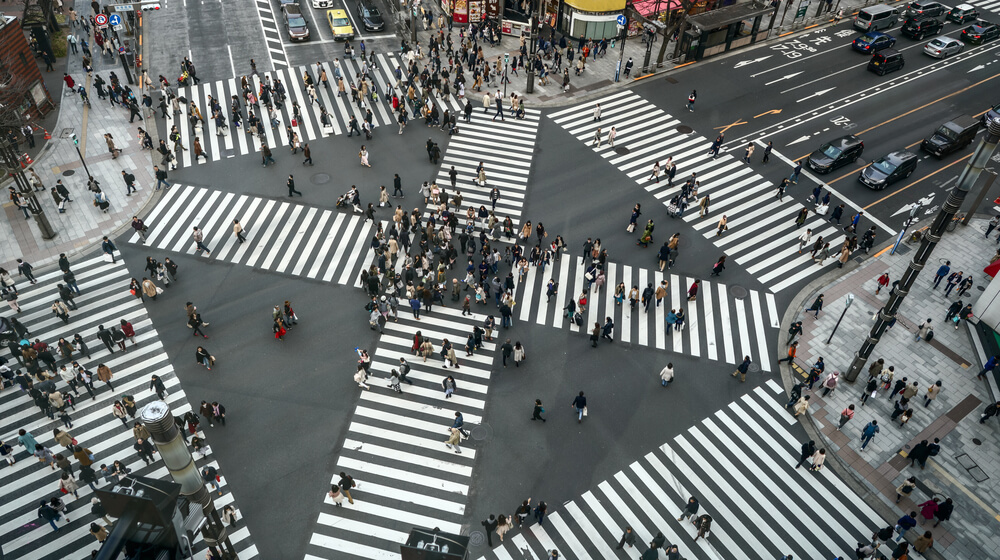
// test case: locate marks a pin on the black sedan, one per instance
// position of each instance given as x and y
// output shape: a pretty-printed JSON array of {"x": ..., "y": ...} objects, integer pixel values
[
  {"x": 836, "y": 153},
  {"x": 981, "y": 32}
]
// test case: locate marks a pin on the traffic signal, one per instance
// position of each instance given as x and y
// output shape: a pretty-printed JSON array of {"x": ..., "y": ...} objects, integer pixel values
[
  {"x": 76, "y": 140},
  {"x": 148, "y": 7}
]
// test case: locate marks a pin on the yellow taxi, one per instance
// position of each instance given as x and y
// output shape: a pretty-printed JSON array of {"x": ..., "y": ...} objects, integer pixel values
[{"x": 340, "y": 24}]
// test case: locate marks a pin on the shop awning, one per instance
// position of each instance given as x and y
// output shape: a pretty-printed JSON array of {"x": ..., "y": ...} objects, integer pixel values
[
  {"x": 649, "y": 8},
  {"x": 597, "y": 6}
]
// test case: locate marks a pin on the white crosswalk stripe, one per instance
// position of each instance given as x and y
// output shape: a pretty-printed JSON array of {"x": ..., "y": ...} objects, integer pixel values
[
  {"x": 762, "y": 235},
  {"x": 104, "y": 300},
  {"x": 406, "y": 477},
  {"x": 329, "y": 245},
  {"x": 708, "y": 329},
  {"x": 235, "y": 141},
  {"x": 809, "y": 514}
]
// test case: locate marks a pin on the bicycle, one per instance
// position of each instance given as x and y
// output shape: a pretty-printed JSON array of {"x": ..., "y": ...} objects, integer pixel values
[{"x": 954, "y": 222}]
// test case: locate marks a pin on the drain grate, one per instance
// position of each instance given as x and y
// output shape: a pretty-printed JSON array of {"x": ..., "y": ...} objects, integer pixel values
[
  {"x": 320, "y": 178},
  {"x": 481, "y": 432},
  {"x": 68, "y": 172},
  {"x": 684, "y": 129},
  {"x": 739, "y": 292},
  {"x": 477, "y": 538},
  {"x": 622, "y": 150}
]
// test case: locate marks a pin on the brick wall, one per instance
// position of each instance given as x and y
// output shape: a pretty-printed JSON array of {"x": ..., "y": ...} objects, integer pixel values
[{"x": 17, "y": 59}]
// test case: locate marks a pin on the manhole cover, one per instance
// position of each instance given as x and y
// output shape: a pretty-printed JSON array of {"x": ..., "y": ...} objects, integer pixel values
[
  {"x": 481, "y": 432},
  {"x": 977, "y": 441},
  {"x": 981, "y": 288},
  {"x": 622, "y": 150},
  {"x": 66, "y": 133},
  {"x": 68, "y": 172},
  {"x": 320, "y": 178},
  {"x": 684, "y": 129},
  {"x": 739, "y": 292},
  {"x": 754, "y": 368},
  {"x": 477, "y": 538}
]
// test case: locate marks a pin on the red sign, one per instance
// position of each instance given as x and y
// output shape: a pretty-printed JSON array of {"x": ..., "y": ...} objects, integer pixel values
[{"x": 101, "y": 19}]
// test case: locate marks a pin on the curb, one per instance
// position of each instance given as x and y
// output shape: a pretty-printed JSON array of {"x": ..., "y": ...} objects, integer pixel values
[{"x": 844, "y": 472}]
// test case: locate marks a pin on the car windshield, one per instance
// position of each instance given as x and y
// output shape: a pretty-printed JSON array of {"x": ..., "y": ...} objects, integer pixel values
[
  {"x": 340, "y": 22},
  {"x": 831, "y": 151},
  {"x": 947, "y": 133},
  {"x": 865, "y": 39},
  {"x": 884, "y": 166},
  {"x": 937, "y": 43},
  {"x": 296, "y": 21},
  {"x": 373, "y": 12}
]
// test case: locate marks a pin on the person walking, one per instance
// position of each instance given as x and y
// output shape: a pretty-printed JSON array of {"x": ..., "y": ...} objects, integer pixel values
[
  {"x": 690, "y": 508},
  {"x": 489, "y": 525},
  {"x": 742, "y": 369},
  {"x": 290, "y": 183},
  {"x": 808, "y": 450},
  {"x": 346, "y": 483},
  {"x": 691, "y": 99},
  {"x": 580, "y": 404},
  {"x": 536, "y": 413},
  {"x": 628, "y": 538},
  {"x": 906, "y": 488},
  {"x": 199, "y": 239},
  {"x": 453, "y": 440},
  {"x": 924, "y": 331},
  {"x": 816, "y": 306},
  {"x": 792, "y": 350},
  {"x": 845, "y": 416},
  {"x": 723, "y": 226},
  {"x": 794, "y": 330},
  {"x": 794, "y": 177},
  {"x": 503, "y": 525},
  {"x": 704, "y": 526},
  {"x": 932, "y": 393},
  {"x": 667, "y": 374},
  {"x": 868, "y": 433}
]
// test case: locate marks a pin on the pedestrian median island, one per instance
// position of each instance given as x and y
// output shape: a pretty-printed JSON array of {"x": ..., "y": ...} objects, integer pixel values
[{"x": 919, "y": 387}]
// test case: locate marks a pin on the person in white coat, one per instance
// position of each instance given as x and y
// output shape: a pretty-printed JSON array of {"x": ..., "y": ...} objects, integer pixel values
[{"x": 667, "y": 375}]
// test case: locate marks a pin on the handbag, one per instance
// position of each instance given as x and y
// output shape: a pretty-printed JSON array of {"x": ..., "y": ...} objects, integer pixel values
[
  {"x": 132, "y": 291},
  {"x": 159, "y": 290},
  {"x": 584, "y": 411},
  {"x": 108, "y": 257},
  {"x": 630, "y": 228}
]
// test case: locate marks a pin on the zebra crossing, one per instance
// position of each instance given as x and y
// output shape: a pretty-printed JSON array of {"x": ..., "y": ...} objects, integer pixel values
[
  {"x": 739, "y": 464},
  {"x": 394, "y": 446},
  {"x": 988, "y": 6},
  {"x": 233, "y": 142},
  {"x": 284, "y": 237},
  {"x": 761, "y": 236},
  {"x": 718, "y": 325},
  {"x": 104, "y": 301},
  {"x": 505, "y": 148}
]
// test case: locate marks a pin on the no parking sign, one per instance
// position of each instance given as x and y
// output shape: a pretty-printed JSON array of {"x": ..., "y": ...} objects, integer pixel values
[{"x": 101, "y": 20}]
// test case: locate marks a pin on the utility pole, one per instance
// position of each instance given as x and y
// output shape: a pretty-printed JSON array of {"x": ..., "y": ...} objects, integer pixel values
[
  {"x": 9, "y": 159},
  {"x": 947, "y": 213},
  {"x": 534, "y": 20}
]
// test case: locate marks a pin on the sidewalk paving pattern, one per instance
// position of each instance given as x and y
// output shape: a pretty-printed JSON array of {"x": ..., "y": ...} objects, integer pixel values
[
  {"x": 953, "y": 417},
  {"x": 104, "y": 301}
]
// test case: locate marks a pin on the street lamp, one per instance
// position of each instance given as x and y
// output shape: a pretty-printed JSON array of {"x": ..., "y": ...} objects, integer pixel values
[
  {"x": 850, "y": 300},
  {"x": 504, "y": 79},
  {"x": 8, "y": 157},
  {"x": 536, "y": 16}
]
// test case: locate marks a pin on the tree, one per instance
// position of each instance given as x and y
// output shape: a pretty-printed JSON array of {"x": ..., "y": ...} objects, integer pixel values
[
  {"x": 15, "y": 89},
  {"x": 672, "y": 25}
]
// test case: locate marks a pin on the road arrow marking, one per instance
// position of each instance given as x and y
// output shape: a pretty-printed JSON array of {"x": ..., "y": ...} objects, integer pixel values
[
  {"x": 800, "y": 139},
  {"x": 783, "y": 78},
  {"x": 746, "y": 62},
  {"x": 908, "y": 207},
  {"x": 980, "y": 67},
  {"x": 817, "y": 94},
  {"x": 771, "y": 112}
]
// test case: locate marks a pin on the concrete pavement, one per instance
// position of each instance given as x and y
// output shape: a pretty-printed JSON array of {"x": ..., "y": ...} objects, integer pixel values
[{"x": 967, "y": 467}]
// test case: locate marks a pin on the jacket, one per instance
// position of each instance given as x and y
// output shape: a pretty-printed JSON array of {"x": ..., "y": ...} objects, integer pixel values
[{"x": 667, "y": 374}]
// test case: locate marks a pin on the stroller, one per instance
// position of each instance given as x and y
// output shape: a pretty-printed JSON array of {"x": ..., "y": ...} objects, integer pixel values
[{"x": 344, "y": 200}]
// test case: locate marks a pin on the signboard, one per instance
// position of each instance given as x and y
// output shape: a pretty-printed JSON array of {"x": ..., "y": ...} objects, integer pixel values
[
  {"x": 803, "y": 8},
  {"x": 493, "y": 9},
  {"x": 476, "y": 10},
  {"x": 621, "y": 19},
  {"x": 461, "y": 13},
  {"x": 101, "y": 20},
  {"x": 123, "y": 7},
  {"x": 118, "y": 27},
  {"x": 115, "y": 19}
]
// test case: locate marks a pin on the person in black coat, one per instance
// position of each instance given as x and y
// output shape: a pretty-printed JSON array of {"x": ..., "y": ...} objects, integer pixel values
[
  {"x": 145, "y": 450},
  {"x": 920, "y": 452},
  {"x": 808, "y": 449}
]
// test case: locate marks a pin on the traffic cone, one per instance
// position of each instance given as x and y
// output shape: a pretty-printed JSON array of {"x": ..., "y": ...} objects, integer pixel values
[
  {"x": 26, "y": 161},
  {"x": 47, "y": 135}
]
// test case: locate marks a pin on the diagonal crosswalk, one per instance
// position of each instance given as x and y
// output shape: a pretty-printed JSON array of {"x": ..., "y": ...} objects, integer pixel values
[
  {"x": 284, "y": 237},
  {"x": 718, "y": 325},
  {"x": 739, "y": 464},
  {"x": 104, "y": 301},
  {"x": 394, "y": 446},
  {"x": 762, "y": 235}
]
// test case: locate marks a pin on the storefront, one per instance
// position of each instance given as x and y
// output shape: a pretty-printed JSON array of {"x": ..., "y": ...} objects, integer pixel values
[
  {"x": 594, "y": 19},
  {"x": 724, "y": 29}
]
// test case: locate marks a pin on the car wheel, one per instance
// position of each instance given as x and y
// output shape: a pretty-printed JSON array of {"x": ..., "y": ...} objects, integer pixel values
[{"x": 908, "y": 173}]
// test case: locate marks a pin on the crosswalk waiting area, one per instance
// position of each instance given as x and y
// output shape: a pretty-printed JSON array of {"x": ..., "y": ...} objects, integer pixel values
[
  {"x": 739, "y": 463},
  {"x": 762, "y": 235},
  {"x": 104, "y": 300},
  {"x": 234, "y": 141},
  {"x": 394, "y": 448},
  {"x": 717, "y": 324}
]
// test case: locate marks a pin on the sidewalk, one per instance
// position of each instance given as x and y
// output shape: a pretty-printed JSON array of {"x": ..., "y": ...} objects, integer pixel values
[
  {"x": 82, "y": 224},
  {"x": 598, "y": 77},
  {"x": 968, "y": 467}
]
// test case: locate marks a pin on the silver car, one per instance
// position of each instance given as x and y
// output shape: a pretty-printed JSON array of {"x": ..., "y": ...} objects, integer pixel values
[{"x": 943, "y": 47}]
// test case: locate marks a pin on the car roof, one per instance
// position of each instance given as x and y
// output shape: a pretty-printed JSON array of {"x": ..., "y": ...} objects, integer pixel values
[
  {"x": 898, "y": 156},
  {"x": 924, "y": 4},
  {"x": 946, "y": 39},
  {"x": 292, "y": 9},
  {"x": 964, "y": 7},
  {"x": 848, "y": 140},
  {"x": 981, "y": 23},
  {"x": 336, "y": 13},
  {"x": 886, "y": 52},
  {"x": 875, "y": 34}
]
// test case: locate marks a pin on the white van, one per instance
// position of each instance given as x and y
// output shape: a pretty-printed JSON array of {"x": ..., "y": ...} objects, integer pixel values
[{"x": 875, "y": 18}]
